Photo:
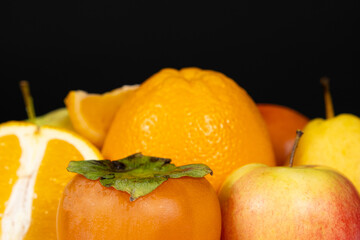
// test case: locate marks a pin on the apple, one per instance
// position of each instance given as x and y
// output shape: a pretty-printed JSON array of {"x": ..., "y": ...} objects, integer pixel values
[
  {"x": 303, "y": 202},
  {"x": 282, "y": 123},
  {"x": 334, "y": 142},
  {"x": 56, "y": 118}
]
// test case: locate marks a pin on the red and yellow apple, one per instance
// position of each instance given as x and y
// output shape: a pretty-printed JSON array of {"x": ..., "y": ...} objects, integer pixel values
[
  {"x": 304, "y": 202},
  {"x": 308, "y": 202}
]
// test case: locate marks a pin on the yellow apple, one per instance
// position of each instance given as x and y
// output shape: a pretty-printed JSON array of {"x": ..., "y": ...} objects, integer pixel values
[{"x": 334, "y": 142}]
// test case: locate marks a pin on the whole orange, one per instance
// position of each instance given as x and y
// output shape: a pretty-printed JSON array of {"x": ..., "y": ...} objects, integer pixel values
[{"x": 191, "y": 116}]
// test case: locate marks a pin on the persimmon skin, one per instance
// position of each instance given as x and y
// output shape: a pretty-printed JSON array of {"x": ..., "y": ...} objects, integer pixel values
[{"x": 183, "y": 208}]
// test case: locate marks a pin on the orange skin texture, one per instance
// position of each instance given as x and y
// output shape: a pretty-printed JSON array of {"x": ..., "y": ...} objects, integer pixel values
[
  {"x": 282, "y": 123},
  {"x": 282, "y": 203},
  {"x": 191, "y": 116},
  {"x": 184, "y": 208}
]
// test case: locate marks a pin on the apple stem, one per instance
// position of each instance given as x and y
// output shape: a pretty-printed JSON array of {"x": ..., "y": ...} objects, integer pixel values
[
  {"x": 29, "y": 105},
  {"x": 299, "y": 133},
  {"x": 329, "y": 108}
]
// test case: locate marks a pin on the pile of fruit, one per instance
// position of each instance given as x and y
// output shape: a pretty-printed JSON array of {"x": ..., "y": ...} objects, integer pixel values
[{"x": 187, "y": 154}]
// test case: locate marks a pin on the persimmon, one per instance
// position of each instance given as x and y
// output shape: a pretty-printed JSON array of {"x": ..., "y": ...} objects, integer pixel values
[{"x": 138, "y": 197}]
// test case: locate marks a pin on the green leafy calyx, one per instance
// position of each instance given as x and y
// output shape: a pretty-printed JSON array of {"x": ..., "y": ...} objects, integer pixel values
[{"x": 137, "y": 174}]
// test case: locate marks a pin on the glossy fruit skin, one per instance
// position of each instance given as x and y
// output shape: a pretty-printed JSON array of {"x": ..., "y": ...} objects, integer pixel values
[
  {"x": 333, "y": 142},
  {"x": 282, "y": 123},
  {"x": 261, "y": 202},
  {"x": 56, "y": 118},
  {"x": 184, "y": 208},
  {"x": 191, "y": 116}
]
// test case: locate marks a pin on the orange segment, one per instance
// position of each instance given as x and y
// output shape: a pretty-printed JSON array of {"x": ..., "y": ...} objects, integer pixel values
[
  {"x": 35, "y": 161},
  {"x": 10, "y": 153},
  {"x": 91, "y": 114},
  {"x": 50, "y": 182}
]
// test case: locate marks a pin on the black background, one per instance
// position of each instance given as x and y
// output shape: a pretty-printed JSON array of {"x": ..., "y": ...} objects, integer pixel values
[{"x": 276, "y": 51}]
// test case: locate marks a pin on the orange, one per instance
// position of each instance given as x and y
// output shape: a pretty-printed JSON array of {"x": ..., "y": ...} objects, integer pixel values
[
  {"x": 182, "y": 208},
  {"x": 33, "y": 174},
  {"x": 91, "y": 114},
  {"x": 191, "y": 116}
]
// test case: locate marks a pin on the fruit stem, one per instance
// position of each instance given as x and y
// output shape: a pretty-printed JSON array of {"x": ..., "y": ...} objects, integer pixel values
[
  {"x": 29, "y": 105},
  {"x": 299, "y": 133},
  {"x": 329, "y": 108}
]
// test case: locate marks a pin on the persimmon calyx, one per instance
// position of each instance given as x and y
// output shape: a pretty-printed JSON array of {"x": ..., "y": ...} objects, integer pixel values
[{"x": 136, "y": 174}]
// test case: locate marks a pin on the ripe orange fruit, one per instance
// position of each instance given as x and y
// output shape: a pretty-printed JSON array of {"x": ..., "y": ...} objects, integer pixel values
[
  {"x": 91, "y": 114},
  {"x": 191, "y": 116},
  {"x": 182, "y": 208},
  {"x": 33, "y": 163},
  {"x": 282, "y": 123}
]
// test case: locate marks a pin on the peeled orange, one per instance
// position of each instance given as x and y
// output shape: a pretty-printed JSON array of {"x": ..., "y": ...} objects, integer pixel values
[
  {"x": 91, "y": 114},
  {"x": 191, "y": 116},
  {"x": 33, "y": 174}
]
